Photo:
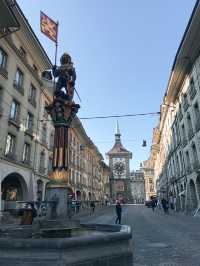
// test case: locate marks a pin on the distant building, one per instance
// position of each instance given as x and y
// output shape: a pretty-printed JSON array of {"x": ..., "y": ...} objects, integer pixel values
[
  {"x": 137, "y": 186},
  {"x": 119, "y": 159}
]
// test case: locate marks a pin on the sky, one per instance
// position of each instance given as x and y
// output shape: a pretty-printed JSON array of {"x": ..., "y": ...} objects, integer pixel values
[{"x": 123, "y": 52}]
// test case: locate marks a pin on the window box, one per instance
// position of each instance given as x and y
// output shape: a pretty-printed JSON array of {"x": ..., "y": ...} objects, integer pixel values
[{"x": 18, "y": 88}]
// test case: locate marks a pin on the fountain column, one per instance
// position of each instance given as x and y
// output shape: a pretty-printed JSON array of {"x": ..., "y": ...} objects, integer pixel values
[{"x": 62, "y": 111}]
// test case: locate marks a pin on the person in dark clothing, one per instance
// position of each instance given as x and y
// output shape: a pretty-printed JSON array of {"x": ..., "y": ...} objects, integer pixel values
[
  {"x": 153, "y": 204},
  {"x": 165, "y": 205},
  {"x": 118, "y": 212},
  {"x": 92, "y": 207}
]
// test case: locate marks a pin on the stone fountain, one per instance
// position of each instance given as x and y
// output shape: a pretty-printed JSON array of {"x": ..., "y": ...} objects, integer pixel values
[{"x": 57, "y": 240}]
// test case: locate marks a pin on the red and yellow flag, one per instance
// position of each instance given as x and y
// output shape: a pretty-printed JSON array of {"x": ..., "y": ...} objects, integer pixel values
[{"x": 48, "y": 27}]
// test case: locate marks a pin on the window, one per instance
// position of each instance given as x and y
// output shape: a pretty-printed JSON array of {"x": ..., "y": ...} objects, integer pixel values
[
  {"x": 50, "y": 164},
  {"x": 42, "y": 162},
  {"x": 29, "y": 122},
  {"x": 19, "y": 80},
  {"x": 35, "y": 68},
  {"x": 14, "y": 110},
  {"x": 32, "y": 95},
  {"x": 10, "y": 145},
  {"x": 190, "y": 129},
  {"x": 45, "y": 111},
  {"x": 195, "y": 156},
  {"x": 188, "y": 161},
  {"x": 183, "y": 132},
  {"x": 26, "y": 153},
  {"x": 192, "y": 90},
  {"x": 3, "y": 59},
  {"x": 44, "y": 134},
  {"x": 22, "y": 52},
  {"x": 185, "y": 102}
]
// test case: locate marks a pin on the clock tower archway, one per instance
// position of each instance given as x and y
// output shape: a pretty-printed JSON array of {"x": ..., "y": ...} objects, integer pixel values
[{"x": 119, "y": 159}]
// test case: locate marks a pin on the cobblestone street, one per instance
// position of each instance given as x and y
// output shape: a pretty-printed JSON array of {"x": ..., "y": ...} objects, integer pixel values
[{"x": 159, "y": 240}]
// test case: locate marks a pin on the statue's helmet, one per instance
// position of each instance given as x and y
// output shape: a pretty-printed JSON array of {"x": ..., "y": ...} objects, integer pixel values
[{"x": 65, "y": 59}]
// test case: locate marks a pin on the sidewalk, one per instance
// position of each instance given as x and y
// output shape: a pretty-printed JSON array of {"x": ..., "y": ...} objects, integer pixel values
[{"x": 86, "y": 213}]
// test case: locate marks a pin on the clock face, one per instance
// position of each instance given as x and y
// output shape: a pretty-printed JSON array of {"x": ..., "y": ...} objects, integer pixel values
[{"x": 119, "y": 168}]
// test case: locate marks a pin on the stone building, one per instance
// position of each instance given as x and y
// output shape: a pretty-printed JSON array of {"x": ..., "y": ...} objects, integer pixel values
[
  {"x": 148, "y": 171},
  {"x": 27, "y": 133},
  {"x": 119, "y": 159},
  {"x": 177, "y": 153},
  {"x": 137, "y": 186},
  {"x": 25, "y": 146},
  {"x": 89, "y": 175}
]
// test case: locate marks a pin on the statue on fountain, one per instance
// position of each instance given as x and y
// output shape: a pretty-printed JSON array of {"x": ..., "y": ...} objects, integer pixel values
[
  {"x": 63, "y": 109},
  {"x": 66, "y": 75}
]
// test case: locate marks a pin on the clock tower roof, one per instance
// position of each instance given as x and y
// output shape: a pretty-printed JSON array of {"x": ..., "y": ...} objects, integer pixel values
[{"x": 118, "y": 148}]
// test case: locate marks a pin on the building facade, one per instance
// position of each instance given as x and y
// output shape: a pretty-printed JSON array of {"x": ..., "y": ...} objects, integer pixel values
[
  {"x": 119, "y": 159},
  {"x": 177, "y": 153},
  {"x": 27, "y": 133},
  {"x": 137, "y": 186}
]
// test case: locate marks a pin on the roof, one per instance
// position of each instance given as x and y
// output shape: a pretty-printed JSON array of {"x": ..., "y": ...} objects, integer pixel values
[{"x": 118, "y": 148}]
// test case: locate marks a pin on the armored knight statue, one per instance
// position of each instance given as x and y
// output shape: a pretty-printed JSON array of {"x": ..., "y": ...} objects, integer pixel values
[{"x": 66, "y": 78}]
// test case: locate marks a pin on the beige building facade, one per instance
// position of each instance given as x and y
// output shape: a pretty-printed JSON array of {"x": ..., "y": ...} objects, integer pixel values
[
  {"x": 26, "y": 130},
  {"x": 176, "y": 153}
]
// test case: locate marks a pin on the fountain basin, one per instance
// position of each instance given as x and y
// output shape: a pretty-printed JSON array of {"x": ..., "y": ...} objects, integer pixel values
[{"x": 108, "y": 245}]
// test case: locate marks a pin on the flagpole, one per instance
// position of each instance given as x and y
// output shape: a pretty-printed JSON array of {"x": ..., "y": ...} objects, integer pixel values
[{"x": 56, "y": 52}]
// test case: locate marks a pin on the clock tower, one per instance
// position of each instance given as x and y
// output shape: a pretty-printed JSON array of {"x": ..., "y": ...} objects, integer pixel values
[{"x": 119, "y": 159}]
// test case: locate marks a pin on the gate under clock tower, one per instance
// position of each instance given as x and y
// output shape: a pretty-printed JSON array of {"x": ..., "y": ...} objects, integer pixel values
[{"x": 119, "y": 159}]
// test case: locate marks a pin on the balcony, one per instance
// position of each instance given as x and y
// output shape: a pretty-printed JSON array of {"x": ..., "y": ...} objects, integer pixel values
[
  {"x": 18, "y": 88},
  {"x": 192, "y": 92},
  {"x": 29, "y": 131}
]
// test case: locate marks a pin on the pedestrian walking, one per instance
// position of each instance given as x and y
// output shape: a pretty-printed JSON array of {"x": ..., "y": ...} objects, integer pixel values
[
  {"x": 171, "y": 201},
  {"x": 92, "y": 207},
  {"x": 118, "y": 212},
  {"x": 175, "y": 207},
  {"x": 153, "y": 204},
  {"x": 165, "y": 206}
]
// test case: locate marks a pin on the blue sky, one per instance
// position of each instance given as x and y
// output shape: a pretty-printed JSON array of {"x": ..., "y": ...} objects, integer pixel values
[{"x": 123, "y": 52}]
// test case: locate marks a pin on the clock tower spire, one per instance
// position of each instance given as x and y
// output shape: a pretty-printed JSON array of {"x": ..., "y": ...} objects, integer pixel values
[
  {"x": 117, "y": 133},
  {"x": 119, "y": 158}
]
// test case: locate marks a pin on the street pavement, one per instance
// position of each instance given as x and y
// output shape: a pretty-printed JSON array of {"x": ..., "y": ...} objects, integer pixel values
[{"x": 158, "y": 239}]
